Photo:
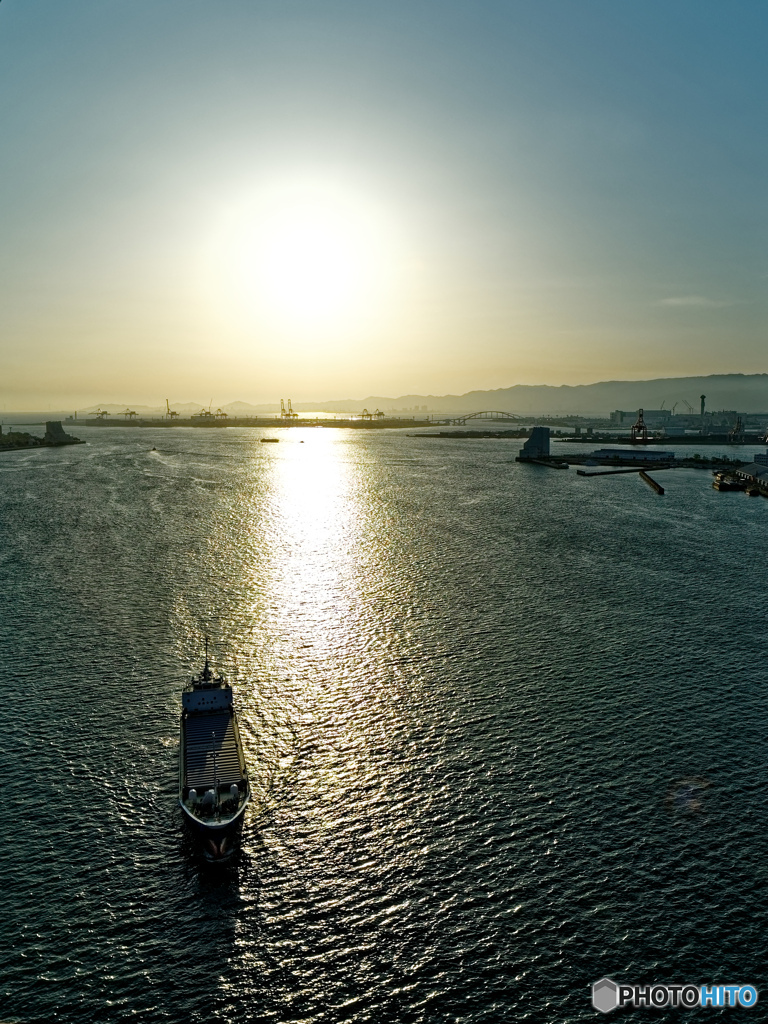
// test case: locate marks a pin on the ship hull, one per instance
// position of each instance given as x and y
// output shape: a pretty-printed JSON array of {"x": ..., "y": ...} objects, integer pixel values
[{"x": 217, "y": 843}]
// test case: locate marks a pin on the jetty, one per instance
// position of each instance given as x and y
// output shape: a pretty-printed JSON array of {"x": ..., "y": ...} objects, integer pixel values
[
  {"x": 651, "y": 482},
  {"x": 54, "y": 437}
]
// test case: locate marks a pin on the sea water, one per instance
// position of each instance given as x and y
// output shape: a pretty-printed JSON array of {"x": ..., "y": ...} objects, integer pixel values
[{"x": 505, "y": 728}]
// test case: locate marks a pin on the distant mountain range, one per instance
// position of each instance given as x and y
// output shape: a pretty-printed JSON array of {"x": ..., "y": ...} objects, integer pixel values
[
  {"x": 744, "y": 392},
  {"x": 726, "y": 391},
  {"x": 723, "y": 391},
  {"x": 730, "y": 391}
]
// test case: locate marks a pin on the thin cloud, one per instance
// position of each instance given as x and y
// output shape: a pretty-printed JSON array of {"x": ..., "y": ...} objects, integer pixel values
[{"x": 699, "y": 301}]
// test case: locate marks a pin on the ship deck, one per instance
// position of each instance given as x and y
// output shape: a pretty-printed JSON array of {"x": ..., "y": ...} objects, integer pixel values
[{"x": 211, "y": 753}]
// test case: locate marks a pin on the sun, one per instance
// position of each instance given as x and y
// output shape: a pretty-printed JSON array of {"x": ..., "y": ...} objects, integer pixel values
[
  {"x": 311, "y": 262},
  {"x": 308, "y": 257}
]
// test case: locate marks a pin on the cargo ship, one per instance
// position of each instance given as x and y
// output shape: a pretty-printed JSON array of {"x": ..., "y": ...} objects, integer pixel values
[{"x": 213, "y": 780}]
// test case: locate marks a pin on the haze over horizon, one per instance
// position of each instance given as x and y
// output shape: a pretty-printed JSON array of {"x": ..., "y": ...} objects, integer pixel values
[
  {"x": 736, "y": 393},
  {"x": 250, "y": 200}
]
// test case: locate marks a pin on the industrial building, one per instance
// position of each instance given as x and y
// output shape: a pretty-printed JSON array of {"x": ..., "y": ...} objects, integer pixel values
[
  {"x": 537, "y": 445},
  {"x": 631, "y": 455},
  {"x": 754, "y": 471}
]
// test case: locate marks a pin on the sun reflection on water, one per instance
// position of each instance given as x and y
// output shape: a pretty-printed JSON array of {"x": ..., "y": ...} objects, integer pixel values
[
  {"x": 311, "y": 560},
  {"x": 302, "y": 597},
  {"x": 321, "y": 612}
]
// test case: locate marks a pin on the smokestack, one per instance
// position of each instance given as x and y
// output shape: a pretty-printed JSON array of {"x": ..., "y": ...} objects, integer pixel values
[{"x": 703, "y": 399}]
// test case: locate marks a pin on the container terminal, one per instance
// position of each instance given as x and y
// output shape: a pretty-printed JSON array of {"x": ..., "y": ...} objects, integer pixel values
[{"x": 287, "y": 417}]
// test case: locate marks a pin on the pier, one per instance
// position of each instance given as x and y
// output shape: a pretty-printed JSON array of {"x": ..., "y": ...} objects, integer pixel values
[
  {"x": 651, "y": 482},
  {"x": 614, "y": 472}
]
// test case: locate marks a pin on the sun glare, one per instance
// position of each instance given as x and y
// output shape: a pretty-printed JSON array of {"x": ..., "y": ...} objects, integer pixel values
[
  {"x": 306, "y": 258},
  {"x": 309, "y": 264}
]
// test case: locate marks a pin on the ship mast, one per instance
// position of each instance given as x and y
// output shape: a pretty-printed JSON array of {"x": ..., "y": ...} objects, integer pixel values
[{"x": 207, "y": 674}]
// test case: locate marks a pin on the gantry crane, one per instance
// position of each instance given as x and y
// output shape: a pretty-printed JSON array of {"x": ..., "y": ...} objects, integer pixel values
[
  {"x": 640, "y": 430},
  {"x": 736, "y": 434}
]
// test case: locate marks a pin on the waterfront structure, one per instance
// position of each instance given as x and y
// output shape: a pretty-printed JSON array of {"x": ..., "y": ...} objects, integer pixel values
[
  {"x": 54, "y": 438},
  {"x": 55, "y": 434},
  {"x": 652, "y": 417},
  {"x": 537, "y": 445},
  {"x": 631, "y": 455},
  {"x": 761, "y": 459},
  {"x": 756, "y": 472}
]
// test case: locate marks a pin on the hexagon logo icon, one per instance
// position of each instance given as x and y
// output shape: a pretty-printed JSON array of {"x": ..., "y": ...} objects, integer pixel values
[{"x": 605, "y": 995}]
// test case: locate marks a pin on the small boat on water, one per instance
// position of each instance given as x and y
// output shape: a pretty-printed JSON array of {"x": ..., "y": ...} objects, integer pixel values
[
  {"x": 727, "y": 482},
  {"x": 213, "y": 780}
]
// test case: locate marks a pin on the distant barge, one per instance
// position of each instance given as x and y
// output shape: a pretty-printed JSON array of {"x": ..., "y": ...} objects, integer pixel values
[{"x": 728, "y": 482}]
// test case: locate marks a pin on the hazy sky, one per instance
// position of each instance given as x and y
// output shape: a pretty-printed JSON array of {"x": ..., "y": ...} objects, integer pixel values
[{"x": 247, "y": 200}]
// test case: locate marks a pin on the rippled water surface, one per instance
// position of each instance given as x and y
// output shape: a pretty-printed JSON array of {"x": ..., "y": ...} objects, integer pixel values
[{"x": 506, "y": 729}]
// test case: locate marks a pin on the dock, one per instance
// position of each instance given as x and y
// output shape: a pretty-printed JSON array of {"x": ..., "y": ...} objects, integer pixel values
[
  {"x": 651, "y": 482},
  {"x": 550, "y": 464},
  {"x": 614, "y": 472}
]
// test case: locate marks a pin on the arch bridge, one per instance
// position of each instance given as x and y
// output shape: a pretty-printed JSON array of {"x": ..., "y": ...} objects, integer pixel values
[{"x": 488, "y": 414}]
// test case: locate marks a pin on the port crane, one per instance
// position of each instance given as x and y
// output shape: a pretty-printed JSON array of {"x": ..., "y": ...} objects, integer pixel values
[
  {"x": 170, "y": 413},
  {"x": 101, "y": 413},
  {"x": 639, "y": 431},
  {"x": 688, "y": 406},
  {"x": 205, "y": 414},
  {"x": 287, "y": 414},
  {"x": 736, "y": 434},
  {"x": 129, "y": 413}
]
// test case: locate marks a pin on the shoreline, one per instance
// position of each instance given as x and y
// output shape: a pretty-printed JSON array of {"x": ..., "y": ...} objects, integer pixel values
[{"x": 39, "y": 443}]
